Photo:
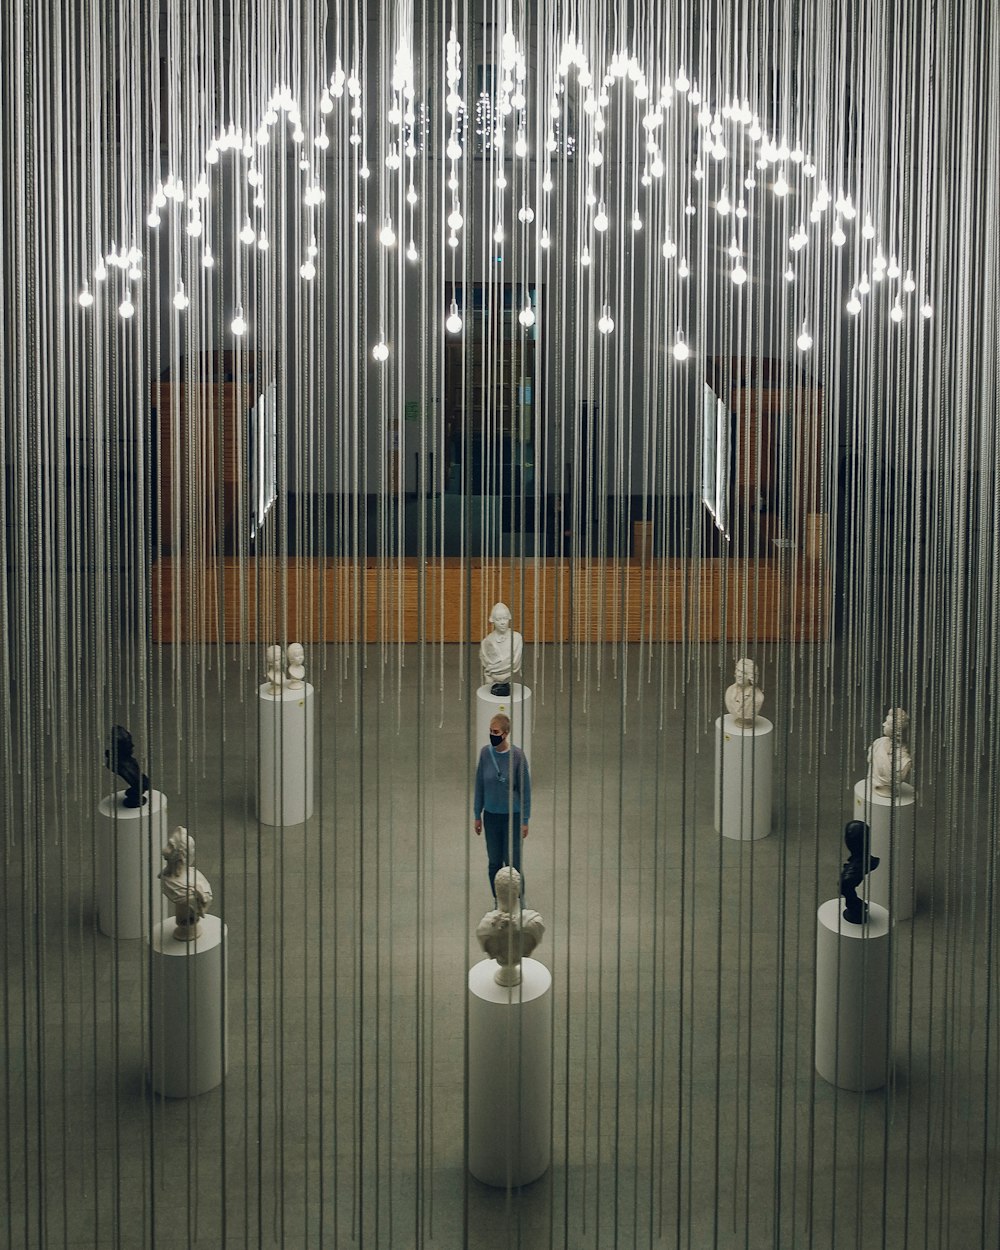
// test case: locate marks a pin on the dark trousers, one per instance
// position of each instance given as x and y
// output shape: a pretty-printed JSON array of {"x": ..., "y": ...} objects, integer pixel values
[{"x": 503, "y": 843}]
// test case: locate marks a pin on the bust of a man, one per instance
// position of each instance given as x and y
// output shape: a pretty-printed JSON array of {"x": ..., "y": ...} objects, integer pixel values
[
  {"x": 275, "y": 670},
  {"x": 860, "y": 862},
  {"x": 120, "y": 758},
  {"x": 510, "y": 933},
  {"x": 184, "y": 885},
  {"x": 889, "y": 759},
  {"x": 744, "y": 697},
  {"x": 296, "y": 657},
  {"x": 500, "y": 651}
]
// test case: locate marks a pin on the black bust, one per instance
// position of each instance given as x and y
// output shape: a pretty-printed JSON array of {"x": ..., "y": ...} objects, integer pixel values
[
  {"x": 501, "y": 688},
  {"x": 119, "y": 758},
  {"x": 857, "y": 837}
]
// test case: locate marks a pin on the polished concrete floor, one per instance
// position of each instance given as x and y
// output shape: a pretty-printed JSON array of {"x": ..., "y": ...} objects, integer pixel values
[{"x": 685, "y": 1110}]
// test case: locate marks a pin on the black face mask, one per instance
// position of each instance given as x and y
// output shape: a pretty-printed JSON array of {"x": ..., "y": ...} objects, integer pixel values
[{"x": 496, "y": 739}]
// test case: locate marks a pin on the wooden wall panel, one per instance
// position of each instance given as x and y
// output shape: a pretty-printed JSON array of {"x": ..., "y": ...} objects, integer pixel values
[{"x": 590, "y": 601}]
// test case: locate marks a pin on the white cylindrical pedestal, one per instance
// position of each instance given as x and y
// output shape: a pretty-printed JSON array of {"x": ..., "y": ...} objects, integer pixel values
[
  {"x": 517, "y": 705},
  {"x": 744, "y": 765},
  {"x": 287, "y": 749},
  {"x": 188, "y": 1051},
  {"x": 852, "y": 997},
  {"x": 891, "y": 821},
  {"x": 510, "y": 1075},
  {"x": 129, "y": 842}
]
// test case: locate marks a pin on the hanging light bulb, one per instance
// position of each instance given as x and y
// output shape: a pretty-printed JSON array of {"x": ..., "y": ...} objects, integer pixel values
[
  {"x": 247, "y": 234},
  {"x": 601, "y": 220},
  {"x": 455, "y": 220},
  {"x": 656, "y": 167},
  {"x": 893, "y": 270},
  {"x": 909, "y": 286},
  {"x": 681, "y": 349},
  {"x": 208, "y": 260},
  {"x": 194, "y": 228},
  {"x": 100, "y": 272},
  {"x": 453, "y": 323},
  {"x": 636, "y": 220},
  {"x": 498, "y": 233},
  {"x": 308, "y": 270},
  {"x": 526, "y": 316},
  {"x": 502, "y": 183},
  {"x": 838, "y": 238},
  {"x": 126, "y": 307},
  {"x": 85, "y": 299},
  {"x": 854, "y": 304},
  {"x": 804, "y": 341},
  {"x": 262, "y": 241},
  {"x": 739, "y": 275},
  {"x": 781, "y": 187},
  {"x": 585, "y": 256},
  {"x": 864, "y": 286},
  {"x": 682, "y": 269},
  {"x": 789, "y": 274},
  {"x": 926, "y": 312},
  {"x": 546, "y": 184},
  {"x": 669, "y": 248},
  {"x": 387, "y": 236},
  {"x": 411, "y": 195},
  {"x": 604, "y": 323},
  {"x": 380, "y": 352},
  {"x": 181, "y": 300},
  {"x": 868, "y": 230},
  {"x": 153, "y": 220},
  {"x": 896, "y": 312},
  {"x": 526, "y": 214},
  {"x": 411, "y": 252},
  {"x": 544, "y": 241},
  {"x": 682, "y": 82},
  {"x": 238, "y": 325},
  {"x": 520, "y": 145},
  {"x": 734, "y": 249},
  {"x": 453, "y": 240}
]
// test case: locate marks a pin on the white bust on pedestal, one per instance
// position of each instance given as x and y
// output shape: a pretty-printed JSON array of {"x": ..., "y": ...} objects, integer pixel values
[
  {"x": 184, "y": 886},
  {"x": 275, "y": 670},
  {"x": 889, "y": 759},
  {"x": 744, "y": 698},
  {"x": 510, "y": 933},
  {"x": 500, "y": 651},
  {"x": 296, "y": 657}
]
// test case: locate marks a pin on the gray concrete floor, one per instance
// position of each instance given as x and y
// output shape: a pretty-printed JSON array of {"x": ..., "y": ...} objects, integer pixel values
[{"x": 685, "y": 1109}]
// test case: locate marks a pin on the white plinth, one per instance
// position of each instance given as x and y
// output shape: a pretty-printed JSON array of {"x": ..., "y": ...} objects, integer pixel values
[
  {"x": 891, "y": 821},
  {"x": 517, "y": 705},
  {"x": 188, "y": 1051},
  {"x": 287, "y": 751},
  {"x": 852, "y": 997},
  {"x": 129, "y": 842},
  {"x": 744, "y": 766},
  {"x": 510, "y": 1075}
]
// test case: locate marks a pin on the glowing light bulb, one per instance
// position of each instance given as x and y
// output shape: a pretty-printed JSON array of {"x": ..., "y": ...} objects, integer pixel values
[
  {"x": 723, "y": 207},
  {"x": 153, "y": 220},
  {"x": 362, "y": 217},
  {"x": 208, "y": 260},
  {"x": 601, "y": 220},
  {"x": 127, "y": 308},
  {"x": 781, "y": 187},
  {"x": 854, "y": 304},
  {"x": 502, "y": 183},
  {"x": 893, "y": 270},
  {"x": 804, "y": 341},
  {"x": 864, "y": 286},
  {"x": 596, "y": 157},
  {"x": 636, "y": 221},
  {"x": 364, "y": 172},
  {"x": 682, "y": 269},
  {"x": 325, "y": 103},
  {"x": 656, "y": 168},
  {"x": 521, "y": 145},
  {"x": 307, "y": 270},
  {"x": 669, "y": 249},
  {"x": 681, "y": 349},
  {"x": 739, "y": 275},
  {"x": 453, "y": 323},
  {"x": 544, "y": 240},
  {"x": 526, "y": 316},
  {"x": 181, "y": 300},
  {"x": 546, "y": 184},
  {"x": 238, "y": 324},
  {"x": 262, "y": 241},
  {"x": 247, "y": 234},
  {"x": 380, "y": 352},
  {"x": 100, "y": 272},
  {"x": 734, "y": 249},
  {"x": 896, "y": 312},
  {"x": 85, "y": 299},
  {"x": 387, "y": 236},
  {"x": 605, "y": 323},
  {"x": 926, "y": 311},
  {"x": 194, "y": 228},
  {"x": 526, "y": 214},
  {"x": 682, "y": 82},
  {"x": 498, "y": 234},
  {"x": 585, "y": 257},
  {"x": 411, "y": 252},
  {"x": 789, "y": 274},
  {"x": 741, "y": 211},
  {"x": 838, "y": 238},
  {"x": 868, "y": 230}
]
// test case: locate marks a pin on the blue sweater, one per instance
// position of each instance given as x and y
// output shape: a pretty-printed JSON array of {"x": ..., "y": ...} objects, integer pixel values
[{"x": 493, "y": 783}]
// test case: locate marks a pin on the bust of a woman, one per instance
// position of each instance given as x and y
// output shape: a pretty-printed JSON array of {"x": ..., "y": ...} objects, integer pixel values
[
  {"x": 500, "y": 651},
  {"x": 510, "y": 933},
  {"x": 744, "y": 698},
  {"x": 889, "y": 759},
  {"x": 184, "y": 885}
]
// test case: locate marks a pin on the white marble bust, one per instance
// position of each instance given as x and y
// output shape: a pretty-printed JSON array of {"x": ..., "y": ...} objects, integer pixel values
[
  {"x": 185, "y": 887},
  {"x": 500, "y": 651},
  {"x": 296, "y": 657},
  {"x": 275, "y": 670},
  {"x": 889, "y": 759},
  {"x": 744, "y": 698},
  {"x": 510, "y": 933}
]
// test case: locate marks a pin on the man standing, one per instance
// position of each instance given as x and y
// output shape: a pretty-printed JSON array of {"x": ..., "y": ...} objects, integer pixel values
[{"x": 503, "y": 799}]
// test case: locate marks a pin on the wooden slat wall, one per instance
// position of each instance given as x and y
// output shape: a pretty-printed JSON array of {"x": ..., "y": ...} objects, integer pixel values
[{"x": 590, "y": 601}]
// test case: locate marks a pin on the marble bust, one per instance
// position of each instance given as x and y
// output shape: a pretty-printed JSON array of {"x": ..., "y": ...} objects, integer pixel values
[
  {"x": 744, "y": 698},
  {"x": 275, "y": 670},
  {"x": 296, "y": 657},
  {"x": 120, "y": 758},
  {"x": 500, "y": 651},
  {"x": 860, "y": 862},
  {"x": 184, "y": 885},
  {"x": 889, "y": 759},
  {"x": 510, "y": 933}
]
